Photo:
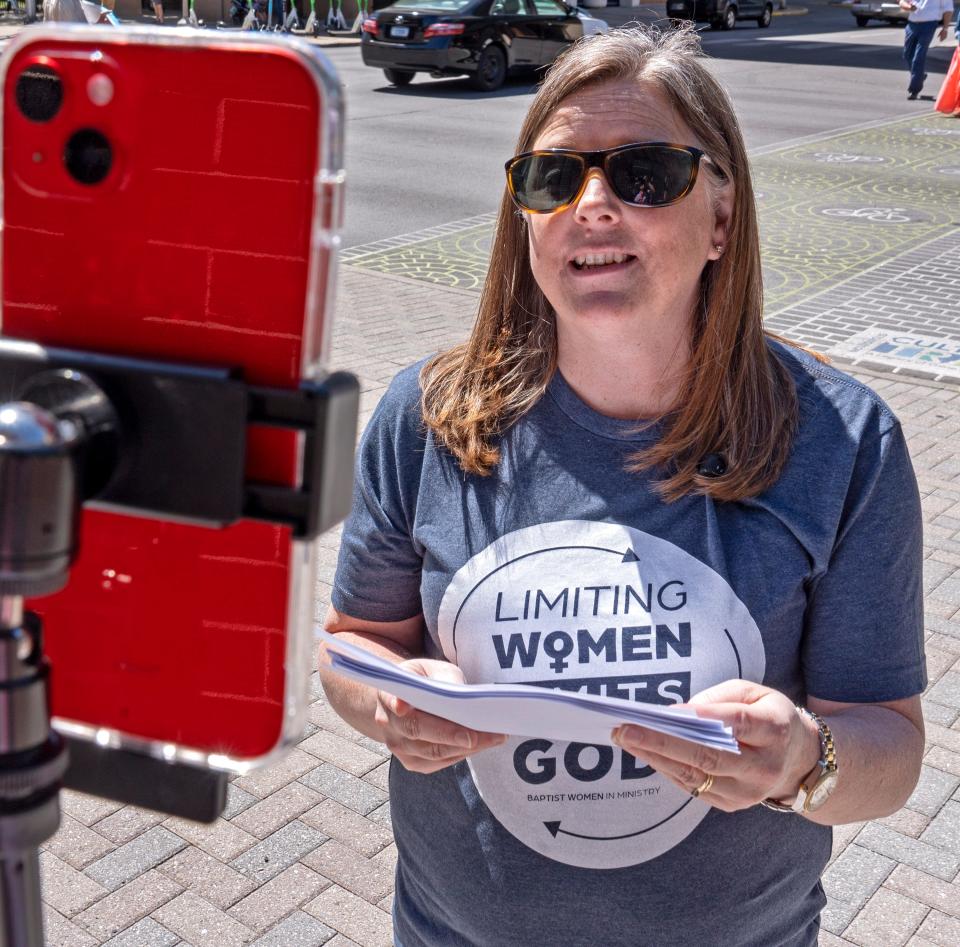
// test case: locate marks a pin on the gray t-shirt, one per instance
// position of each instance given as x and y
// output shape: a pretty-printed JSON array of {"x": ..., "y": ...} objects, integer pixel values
[{"x": 563, "y": 570}]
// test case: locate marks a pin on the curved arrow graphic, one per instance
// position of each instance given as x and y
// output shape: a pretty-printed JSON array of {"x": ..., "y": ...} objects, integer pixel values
[{"x": 554, "y": 828}]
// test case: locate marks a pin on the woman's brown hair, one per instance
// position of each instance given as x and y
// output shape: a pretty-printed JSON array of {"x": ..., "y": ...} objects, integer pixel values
[{"x": 737, "y": 399}]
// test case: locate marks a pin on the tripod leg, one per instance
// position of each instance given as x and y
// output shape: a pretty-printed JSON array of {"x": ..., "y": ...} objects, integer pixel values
[{"x": 21, "y": 910}]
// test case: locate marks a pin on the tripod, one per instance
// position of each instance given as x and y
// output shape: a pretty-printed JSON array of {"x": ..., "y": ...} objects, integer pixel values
[
  {"x": 61, "y": 444},
  {"x": 37, "y": 517}
]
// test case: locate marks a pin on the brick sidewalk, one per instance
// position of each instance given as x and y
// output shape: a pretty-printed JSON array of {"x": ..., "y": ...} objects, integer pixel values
[{"x": 303, "y": 855}]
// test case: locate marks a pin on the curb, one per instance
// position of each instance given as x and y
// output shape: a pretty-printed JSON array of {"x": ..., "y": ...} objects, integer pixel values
[
  {"x": 330, "y": 41},
  {"x": 906, "y": 372}
]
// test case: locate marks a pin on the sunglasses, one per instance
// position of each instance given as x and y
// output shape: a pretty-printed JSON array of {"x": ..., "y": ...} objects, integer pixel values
[{"x": 643, "y": 174}]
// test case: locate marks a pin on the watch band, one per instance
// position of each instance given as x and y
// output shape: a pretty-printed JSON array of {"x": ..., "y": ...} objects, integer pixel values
[{"x": 826, "y": 770}]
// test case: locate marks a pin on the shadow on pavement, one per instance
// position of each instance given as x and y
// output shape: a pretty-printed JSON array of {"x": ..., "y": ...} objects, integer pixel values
[
  {"x": 803, "y": 52},
  {"x": 424, "y": 87}
]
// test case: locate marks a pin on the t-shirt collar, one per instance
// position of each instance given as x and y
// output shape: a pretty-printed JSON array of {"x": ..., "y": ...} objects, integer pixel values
[{"x": 575, "y": 408}]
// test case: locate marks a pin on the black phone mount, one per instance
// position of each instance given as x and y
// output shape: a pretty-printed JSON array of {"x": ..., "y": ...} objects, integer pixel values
[{"x": 143, "y": 437}]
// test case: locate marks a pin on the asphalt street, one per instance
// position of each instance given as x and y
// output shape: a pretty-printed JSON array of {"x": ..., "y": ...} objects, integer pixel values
[{"x": 433, "y": 152}]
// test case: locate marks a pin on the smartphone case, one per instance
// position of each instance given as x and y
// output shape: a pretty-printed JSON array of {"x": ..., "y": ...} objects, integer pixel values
[{"x": 212, "y": 240}]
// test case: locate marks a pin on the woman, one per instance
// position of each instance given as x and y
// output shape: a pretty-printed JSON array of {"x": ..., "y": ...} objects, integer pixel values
[{"x": 620, "y": 485}]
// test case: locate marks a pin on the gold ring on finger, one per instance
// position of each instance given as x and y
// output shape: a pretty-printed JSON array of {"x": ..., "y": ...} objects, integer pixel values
[{"x": 704, "y": 787}]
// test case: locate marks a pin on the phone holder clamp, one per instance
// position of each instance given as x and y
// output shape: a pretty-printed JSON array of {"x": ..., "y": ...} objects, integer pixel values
[{"x": 170, "y": 440}]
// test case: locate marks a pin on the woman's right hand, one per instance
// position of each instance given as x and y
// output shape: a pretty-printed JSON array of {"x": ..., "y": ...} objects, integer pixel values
[{"x": 422, "y": 742}]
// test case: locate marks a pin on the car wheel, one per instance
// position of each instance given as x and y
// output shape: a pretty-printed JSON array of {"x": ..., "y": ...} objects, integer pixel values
[
  {"x": 491, "y": 69},
  {"x": 398, "y": 77},
  {"x": 765, "y": 18},
  {"x": 862, "y": 20},
  {"x": 730, "y": 17}
]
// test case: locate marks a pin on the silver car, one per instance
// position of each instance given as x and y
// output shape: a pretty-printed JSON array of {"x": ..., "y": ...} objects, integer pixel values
[{"x": 866, "y": 10}]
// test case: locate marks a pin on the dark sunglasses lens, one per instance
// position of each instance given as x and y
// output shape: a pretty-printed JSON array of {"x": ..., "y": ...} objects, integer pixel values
[
  {"x": 650, "y": 176},
  {"x": 545, "y": 182}
]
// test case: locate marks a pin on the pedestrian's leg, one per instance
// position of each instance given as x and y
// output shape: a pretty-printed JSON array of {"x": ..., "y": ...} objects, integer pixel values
[
  {"x": 915, "y": 48},
  {"x": 909, "y": 50},
  {"x": 918, "y": 73}
]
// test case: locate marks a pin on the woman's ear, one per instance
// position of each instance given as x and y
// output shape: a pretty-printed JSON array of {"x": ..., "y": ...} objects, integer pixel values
[{"x": 722, "y": 215}]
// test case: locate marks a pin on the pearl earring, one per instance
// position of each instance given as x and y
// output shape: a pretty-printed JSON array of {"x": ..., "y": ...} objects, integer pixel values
[{"x": 718, "y": 247}]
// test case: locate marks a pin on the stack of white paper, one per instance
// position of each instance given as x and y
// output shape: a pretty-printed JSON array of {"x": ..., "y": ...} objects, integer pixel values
[{"x": 520, "y": 709}]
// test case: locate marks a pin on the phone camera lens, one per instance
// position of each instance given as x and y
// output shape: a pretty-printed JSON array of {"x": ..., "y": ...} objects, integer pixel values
[
  {"x": 88, "y": 156},
  {"x": 39, "y": 93}
]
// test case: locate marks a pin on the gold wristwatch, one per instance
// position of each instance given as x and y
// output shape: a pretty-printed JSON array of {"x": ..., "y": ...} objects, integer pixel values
[{"x": 817, "y": 787}]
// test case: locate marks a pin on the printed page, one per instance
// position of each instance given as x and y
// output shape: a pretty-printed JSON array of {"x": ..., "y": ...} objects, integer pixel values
[{"x": 519, "y": 709}]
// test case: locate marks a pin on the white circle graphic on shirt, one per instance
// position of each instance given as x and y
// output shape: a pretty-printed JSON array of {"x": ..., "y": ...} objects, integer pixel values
[{"x": 603, "y": 609}]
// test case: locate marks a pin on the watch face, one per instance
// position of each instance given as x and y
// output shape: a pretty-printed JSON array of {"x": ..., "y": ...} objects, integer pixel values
[{"x": 821, "y": 791}]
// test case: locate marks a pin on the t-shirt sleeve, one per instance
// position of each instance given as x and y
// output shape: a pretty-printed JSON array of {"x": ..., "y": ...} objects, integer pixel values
[
  {"x": 863, "y": 640},
  {"x": 379, "y": 566}
]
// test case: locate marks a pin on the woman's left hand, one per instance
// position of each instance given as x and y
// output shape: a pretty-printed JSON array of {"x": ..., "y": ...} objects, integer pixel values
[{"x": 778, "y": 747}]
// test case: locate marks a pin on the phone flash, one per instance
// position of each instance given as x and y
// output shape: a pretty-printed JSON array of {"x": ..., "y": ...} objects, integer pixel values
[
  {"x": 37, "y": 157},
  {"x": 100, "y": 89}
]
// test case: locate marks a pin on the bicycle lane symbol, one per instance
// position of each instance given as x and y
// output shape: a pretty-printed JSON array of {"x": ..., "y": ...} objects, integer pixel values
[{"x": 882, "y": 215}]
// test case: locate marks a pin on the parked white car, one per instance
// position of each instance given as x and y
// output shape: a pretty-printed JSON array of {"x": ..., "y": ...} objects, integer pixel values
[
  {"x": 591, "y": 24},
  {"x": 866, "y": 10}
]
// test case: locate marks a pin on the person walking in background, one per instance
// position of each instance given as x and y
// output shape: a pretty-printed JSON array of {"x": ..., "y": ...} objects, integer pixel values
[{"x": 925, "y": 16}]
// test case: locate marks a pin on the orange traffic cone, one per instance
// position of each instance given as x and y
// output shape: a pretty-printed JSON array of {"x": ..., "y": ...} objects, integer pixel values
[{"x": 948, "y": 101}]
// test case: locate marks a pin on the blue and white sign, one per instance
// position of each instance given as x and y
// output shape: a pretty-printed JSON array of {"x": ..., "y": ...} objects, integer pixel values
[{"x": 939, "y": 356}]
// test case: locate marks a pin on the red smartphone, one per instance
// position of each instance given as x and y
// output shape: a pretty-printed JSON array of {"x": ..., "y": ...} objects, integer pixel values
[{"x": 176, "y": 196}]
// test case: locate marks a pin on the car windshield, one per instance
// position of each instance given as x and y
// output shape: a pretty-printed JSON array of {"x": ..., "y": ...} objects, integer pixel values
[{"x": 448, "y": 6}]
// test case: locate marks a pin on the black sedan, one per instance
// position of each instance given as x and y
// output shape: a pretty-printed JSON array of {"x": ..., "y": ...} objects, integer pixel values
[{"x": 482, "y": 39}]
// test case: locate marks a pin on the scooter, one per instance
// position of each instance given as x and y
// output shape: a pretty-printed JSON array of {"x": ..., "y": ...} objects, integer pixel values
[
  {"x": 250, "y": 21},
  {"x": 362, "y": 13},
  {"x": 291, "y": 21},
  {"x": 313, "y": 23},
  {"x": 335, "y": 17},
  {"x": 191, "y": 19}
]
